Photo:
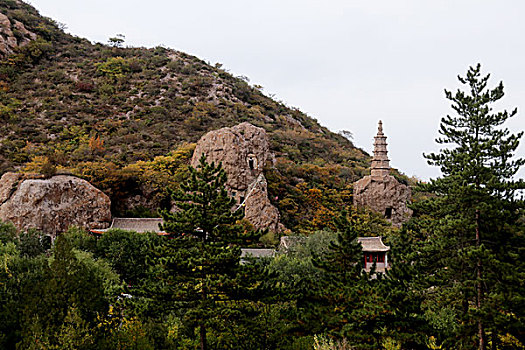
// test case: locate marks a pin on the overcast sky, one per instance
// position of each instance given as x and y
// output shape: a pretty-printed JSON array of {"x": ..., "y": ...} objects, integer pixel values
[{"x": 346, "y": 63}]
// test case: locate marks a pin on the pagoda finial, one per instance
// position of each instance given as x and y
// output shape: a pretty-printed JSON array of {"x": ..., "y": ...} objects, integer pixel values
[{"x": 380, "y": 162}]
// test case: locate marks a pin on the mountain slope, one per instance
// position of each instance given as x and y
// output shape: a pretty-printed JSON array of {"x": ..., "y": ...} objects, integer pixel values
[{"x": 69, "y": 104}]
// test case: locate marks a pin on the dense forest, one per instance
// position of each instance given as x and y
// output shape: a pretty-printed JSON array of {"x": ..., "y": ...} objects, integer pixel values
[{"x": 126, "y": 119}]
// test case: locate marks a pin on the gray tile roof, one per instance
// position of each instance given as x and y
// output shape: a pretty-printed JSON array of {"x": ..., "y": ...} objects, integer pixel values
[
  {"x": 372, "y": 244},
  {"x": 257, "y": 252},
  {"x": 138, "y": 224}
]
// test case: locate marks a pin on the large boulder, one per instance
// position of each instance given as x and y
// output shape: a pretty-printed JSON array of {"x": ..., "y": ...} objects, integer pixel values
[
  {"x": 52, "y": 205},
  {"x": 243, "y": 150},
  {"x": 384, "y": 195}
]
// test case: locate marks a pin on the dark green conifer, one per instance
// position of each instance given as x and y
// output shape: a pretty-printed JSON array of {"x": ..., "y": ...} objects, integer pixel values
[
  {"x": 205, "y": 208},
  {"x": 200, "y": 275},
  {"x": 472, "y": 252},
  {"x": 402, "y": 317},
  {"x": 67, "y": 284},
  {"x": 344, "y": 303}
]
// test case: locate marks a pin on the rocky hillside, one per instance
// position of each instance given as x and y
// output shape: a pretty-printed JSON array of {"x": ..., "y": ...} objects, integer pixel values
[{"x": 111, "y": 114}]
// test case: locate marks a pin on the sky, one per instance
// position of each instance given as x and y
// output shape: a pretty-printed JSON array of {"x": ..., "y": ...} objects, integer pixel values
[{"x": 346, "y": 63}]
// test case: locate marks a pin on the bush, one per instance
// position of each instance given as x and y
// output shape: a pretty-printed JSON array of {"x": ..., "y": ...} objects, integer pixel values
[
  {"x": 114, "y": 68},
  {"x": 8, "y": 232},
  {"x": 32, "y": 243},
  {"x": 326, "y": 343},
  {"x": 127, "y": 252},
  {"x": 80, "y": 239},
  {"x": 83, "y": 86},
  {"x": 33, "y": 52}
]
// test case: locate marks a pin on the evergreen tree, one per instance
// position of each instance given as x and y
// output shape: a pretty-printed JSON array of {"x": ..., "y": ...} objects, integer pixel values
[
  {"x": 472, "y": 252},
  {"x": 20, "y": 277},
  {"x": 344, "y": 303},
  {"x": 205, "y": 209},
  {"x": 67, "y": 283},
  {"x": 201, "y": 278},
  {"x": 402, "y": 317}
]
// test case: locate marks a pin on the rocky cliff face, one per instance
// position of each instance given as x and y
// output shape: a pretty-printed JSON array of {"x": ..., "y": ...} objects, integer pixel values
[
  {"x": 243, "y": 151},
  {"x": 52, "y": 205},
  {"x": 384, "y": 195},
  {"x": 12, "y": 35}
]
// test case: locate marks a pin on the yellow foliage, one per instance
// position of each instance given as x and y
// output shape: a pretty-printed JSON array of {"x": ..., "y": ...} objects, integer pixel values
[
  {"x": 40, "y": 165},
  {"x": 114, "y": 67},
  {"x": 323, "y": 218},
  {"x": 96, "y": 145},
  {"x": 163, "y": 171},
  {"x": 432, "y": 343},
  {"x": 36, "y": 164},
  {"x": 510, "y": 341},
  {"x": 391, "y": 344},
  {"x": 4, "y": 86}
]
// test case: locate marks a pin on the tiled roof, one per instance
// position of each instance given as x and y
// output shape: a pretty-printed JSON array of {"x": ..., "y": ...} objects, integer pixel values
[
  {"x": 138, "y": 224},
  {"x": 134, "y": 224},
  {"x": 372, "y": 244},
  {"x": 257, "y": 252}
]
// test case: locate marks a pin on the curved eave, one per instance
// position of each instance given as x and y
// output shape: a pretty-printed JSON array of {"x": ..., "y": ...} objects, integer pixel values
[{"x": 372, "y": 244}]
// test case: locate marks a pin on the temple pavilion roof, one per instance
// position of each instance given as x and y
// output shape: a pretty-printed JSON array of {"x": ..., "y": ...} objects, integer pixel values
[{"x": 372, "y": 244}]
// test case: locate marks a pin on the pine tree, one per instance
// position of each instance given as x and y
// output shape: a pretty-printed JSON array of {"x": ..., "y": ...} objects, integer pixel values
[
  {"x": 205, "y": 209},
  {"x": 200, "y": 274},
  {"x": 343, "y": 302},
  {"x": 403, "y": 316},
  {"x": 471, "y": 254}
]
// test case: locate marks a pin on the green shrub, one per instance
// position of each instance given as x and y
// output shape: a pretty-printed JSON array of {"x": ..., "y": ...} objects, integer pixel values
[
  {"x": 8, "y": 232},
  {"x": 114, "y": 68}
]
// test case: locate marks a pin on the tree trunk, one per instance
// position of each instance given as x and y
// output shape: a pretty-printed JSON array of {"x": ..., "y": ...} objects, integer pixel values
[
  {"x": 202, "y": 330},
  {"x": 481, "y": 330},
  {"x": 204, "y": 345}
]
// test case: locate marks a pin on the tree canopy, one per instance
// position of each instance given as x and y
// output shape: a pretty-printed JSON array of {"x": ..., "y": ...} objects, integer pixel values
[{"x": 471, "y": 257}]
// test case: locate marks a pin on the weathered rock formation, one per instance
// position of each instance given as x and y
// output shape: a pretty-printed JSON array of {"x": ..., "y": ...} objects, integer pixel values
[
  {"x": 243, "y": 151},
  {"x": 12, "y": 35},
  {"x": 380, "y": 191},
  {"x": 258, "y": 209},
  {"x": 52, "y": 205}
]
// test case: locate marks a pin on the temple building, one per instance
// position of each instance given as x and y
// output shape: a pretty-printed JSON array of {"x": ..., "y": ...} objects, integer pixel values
[
  {"x": 380, "y": 191},
  {"x": 374, "y": 251}
]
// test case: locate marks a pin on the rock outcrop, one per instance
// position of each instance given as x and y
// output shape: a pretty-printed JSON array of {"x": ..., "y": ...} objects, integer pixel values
[
  {"x": 243, "y": 151},
  {"x": 258, "y": 209},
  {"x": 52, "y": 205},
  {"x": 12, "y": 35},
  {"x": 386, "y": 196},
  {"x": 380, "y": 191}
]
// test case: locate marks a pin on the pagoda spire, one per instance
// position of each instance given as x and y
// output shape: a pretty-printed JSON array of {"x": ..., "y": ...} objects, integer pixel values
[{"x": 380, "y": 162}]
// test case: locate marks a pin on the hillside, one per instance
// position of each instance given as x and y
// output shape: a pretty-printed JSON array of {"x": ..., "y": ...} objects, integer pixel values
[{"x": 106, "y": 112}]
